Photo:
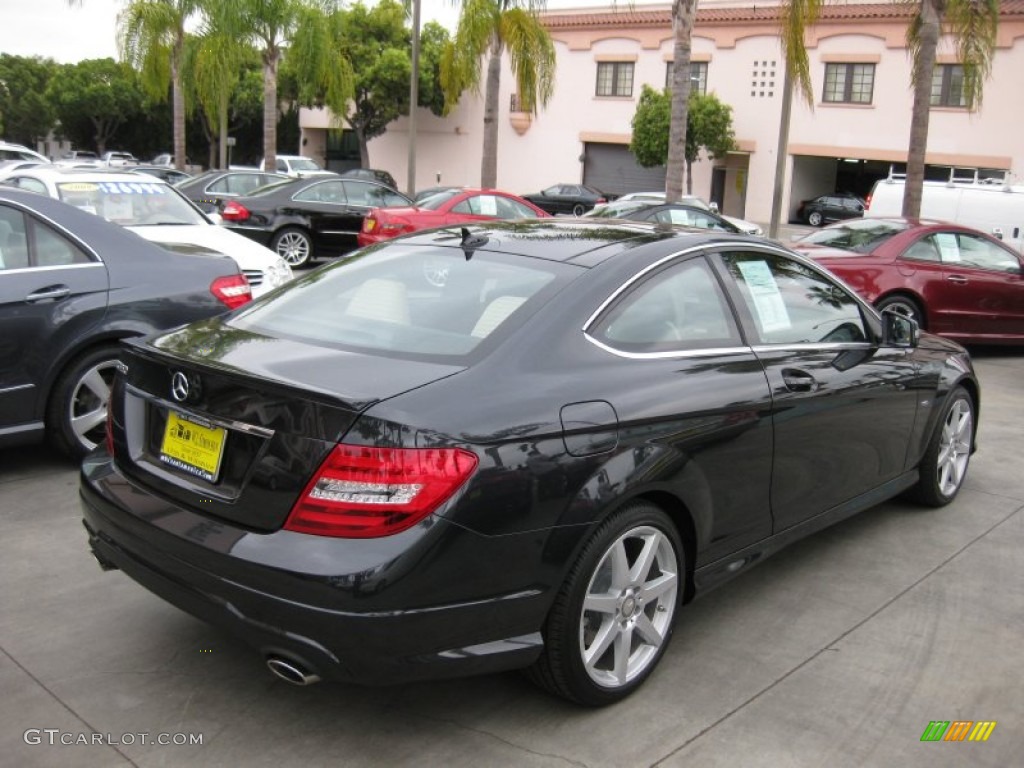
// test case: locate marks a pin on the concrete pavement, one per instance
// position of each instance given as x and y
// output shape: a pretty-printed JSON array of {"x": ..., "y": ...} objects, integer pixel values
[{"x": 837, "y": 652}]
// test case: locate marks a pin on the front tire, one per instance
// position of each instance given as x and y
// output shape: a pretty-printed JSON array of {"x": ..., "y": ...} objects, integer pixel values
[
  {"x": 613, "y": 618},
  {"x": 944, "y": 465},
  {"x": 294, "y": 246},
  {"x": 905, "y": 306},
  {"x": 77, "y": 414},
  {"x": 815, "y": 219}
]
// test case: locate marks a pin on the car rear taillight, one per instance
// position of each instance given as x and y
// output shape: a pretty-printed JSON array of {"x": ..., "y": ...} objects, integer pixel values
[
  {"x": 601, "y": 200},
  {"x": 233, "y": 291},
  {"x": 234, "y": 211},
  {"x": 365, "y": 492},
  {"x": 369, "y": 224},
  {"x": 867, "y": 201}
]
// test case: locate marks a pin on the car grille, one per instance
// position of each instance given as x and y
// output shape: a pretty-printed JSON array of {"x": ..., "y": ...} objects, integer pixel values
[{"x": 254, "y": 276}]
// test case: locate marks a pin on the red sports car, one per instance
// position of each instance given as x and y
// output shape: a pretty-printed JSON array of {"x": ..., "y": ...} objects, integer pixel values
[
  {"x": 953, "y": 280},
  {"x": 456, "y": 205}
]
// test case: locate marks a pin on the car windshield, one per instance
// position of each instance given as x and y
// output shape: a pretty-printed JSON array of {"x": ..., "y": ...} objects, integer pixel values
[
  {"x": 614, "y": 210},
  {"x": 436, "y": 200},
  {"x": 303, "y": 164},
  {"x": 130, "y": 203},
  {"x": 857, "y": 235},
  {"x": 409, "y": 301}
]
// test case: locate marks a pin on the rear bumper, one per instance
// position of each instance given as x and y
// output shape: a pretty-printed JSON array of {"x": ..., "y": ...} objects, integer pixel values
[{"x": 223, "y": 575}]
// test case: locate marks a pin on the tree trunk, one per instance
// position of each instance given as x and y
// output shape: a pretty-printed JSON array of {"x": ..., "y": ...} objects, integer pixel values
[
  {"x": 683, "y": 14},
  {"x": 781, "y": 152},
  {"x": 489, "y": 162},
  {"x": 270, "y": 61},
  {"x": 364, "y": 149},
  {"x": 178, "y": 99},
  {"x": 689, "y": 177},
  {"x": 222, "y": 138},
  {"x": 924, "y": 67}
]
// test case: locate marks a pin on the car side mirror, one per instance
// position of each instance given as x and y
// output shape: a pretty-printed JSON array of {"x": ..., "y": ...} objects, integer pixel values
[{"x": 899, "y": 330}]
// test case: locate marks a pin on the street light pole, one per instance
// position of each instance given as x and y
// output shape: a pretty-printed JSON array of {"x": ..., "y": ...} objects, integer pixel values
[{"x": 414, "y": 97}]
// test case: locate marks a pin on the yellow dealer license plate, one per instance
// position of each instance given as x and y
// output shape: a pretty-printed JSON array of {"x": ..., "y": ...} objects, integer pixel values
[{"x": 193, "y": 447}]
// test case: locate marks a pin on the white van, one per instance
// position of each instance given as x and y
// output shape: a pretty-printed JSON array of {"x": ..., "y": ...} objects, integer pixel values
[{"x": 996, "y": 209}]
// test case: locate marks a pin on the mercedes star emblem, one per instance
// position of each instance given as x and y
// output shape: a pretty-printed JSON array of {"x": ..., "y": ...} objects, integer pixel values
[{"x": 179, "y": 386}]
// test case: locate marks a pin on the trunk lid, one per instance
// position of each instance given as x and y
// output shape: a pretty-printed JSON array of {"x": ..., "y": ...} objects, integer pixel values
[{"x": 233, "y": 424}]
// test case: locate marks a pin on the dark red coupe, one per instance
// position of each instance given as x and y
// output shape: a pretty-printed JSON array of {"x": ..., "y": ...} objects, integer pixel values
[
  {"x": 447, "y": 207},
  {"x": 955, "y": 281}
]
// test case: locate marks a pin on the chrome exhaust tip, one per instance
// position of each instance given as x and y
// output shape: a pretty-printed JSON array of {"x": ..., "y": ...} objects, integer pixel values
[{"x": 291, "y": 672}]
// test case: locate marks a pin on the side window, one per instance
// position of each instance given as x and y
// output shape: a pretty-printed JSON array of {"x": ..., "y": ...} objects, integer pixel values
[
  {"x": 978, "y": 252},
  {"x": 13, "y": 241},
  {"x": 513, "y": 209},
  {"x": 358, "y": 193},
  {"x": 924, "y": 249},
  {"x": 325, "y": 192},
  {"x": 793, "y": 304},
  {"x": 53, "y": 249},
  {"x": 281, "y": 165},
  {"x": 29, "y": 184},
  {"x": 223, "y": 184},
  {"x": 677, "y": 309}
]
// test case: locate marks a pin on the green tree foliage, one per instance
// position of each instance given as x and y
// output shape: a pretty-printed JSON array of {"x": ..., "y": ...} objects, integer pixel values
[
  {"x": 93, "y": 99},
  {"x": 708, "y": 128},
  {"x": 25, "y": 112},
  {"x": 486, "y": 29},
  {"x": 377, "y": 43}
]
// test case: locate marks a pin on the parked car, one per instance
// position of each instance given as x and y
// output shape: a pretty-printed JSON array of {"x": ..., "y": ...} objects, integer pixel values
[
  {"x": 827, "y": 208},
  {"x": 371, "y": 174},
  {"x": 443, "y": 209},
  {"x": 71, "y": 287},
  {"x": 306, "y": 219},
  {"x": 297, "y": 166},
  {"x": 118, "y": 159},
  {"x": 210, "y": 190},
  {"x": 534, "y": 464},
  {"x": 663, "y": 213},
  {"x": 79, "y": 157},
  {"x": 576, "y": 199},
  {"x": 9, "y": 151},
  {"x": 157, "y": 212},
  {"x": 8, "y": 167},
  {"x": 167, "y": 173},
  {"x": 166, "y": 159},
  {"x": 747, "y": 227},
  {"x": 952, "y": 280}
]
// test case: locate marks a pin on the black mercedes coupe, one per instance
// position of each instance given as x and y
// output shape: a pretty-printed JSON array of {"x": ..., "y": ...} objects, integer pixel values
[{"x": 516, "y": 445}]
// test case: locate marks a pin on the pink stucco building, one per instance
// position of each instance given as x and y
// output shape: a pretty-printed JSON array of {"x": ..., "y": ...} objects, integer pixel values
[{"x": 856, "y": 132}]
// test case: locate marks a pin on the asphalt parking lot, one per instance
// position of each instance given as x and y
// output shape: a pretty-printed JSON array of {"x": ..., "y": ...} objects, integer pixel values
[{"x": 838, "y": 652}]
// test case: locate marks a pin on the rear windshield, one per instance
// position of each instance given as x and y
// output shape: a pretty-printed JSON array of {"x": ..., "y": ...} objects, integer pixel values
[
  {"x": 856, "y": 235},
  {"x": 410, "y": 301}
]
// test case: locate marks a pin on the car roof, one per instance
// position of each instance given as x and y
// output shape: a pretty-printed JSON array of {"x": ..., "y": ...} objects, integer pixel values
[
  {"x": 580, "y": 241},
  {"x": 56, "y": 173}
]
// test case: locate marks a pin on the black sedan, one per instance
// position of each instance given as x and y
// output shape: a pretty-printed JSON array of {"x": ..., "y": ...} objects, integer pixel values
[
  {"x": 210, "y": 190},
  {"x": 663, "y": 213},
  {"x": 305, "y": 219},
  {"x": 828, "y": 208},
  {"x": 576, "y": 199},
  {"x": 535, "y": 462},
  {"x": 72, "y": 285}
]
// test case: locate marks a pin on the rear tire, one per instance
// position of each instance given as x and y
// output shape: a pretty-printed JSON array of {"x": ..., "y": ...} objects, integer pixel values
[
  {"x": 294, "y": 246},
  {"x": 579, "y": 209},
  {"x": 944, "y": 465},
  {"x": 904, "y": 305},
  {"x": 613, "y": 618},
  {"x": 815, "y": 219},
  {"x": 76, "y": 417}
]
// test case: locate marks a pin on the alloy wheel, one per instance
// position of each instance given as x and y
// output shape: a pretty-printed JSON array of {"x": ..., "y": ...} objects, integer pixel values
[{"x": 955, "y": 446}]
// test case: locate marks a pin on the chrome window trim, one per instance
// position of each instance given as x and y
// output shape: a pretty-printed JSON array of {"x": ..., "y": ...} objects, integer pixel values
[
  {"x": 673, "y": 354},
  {"x": 811, "y": 346},
  {"x": 67, "y": 233}
]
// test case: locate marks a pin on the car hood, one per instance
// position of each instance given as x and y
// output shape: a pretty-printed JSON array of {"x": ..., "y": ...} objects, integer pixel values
[{"x": 247, "y": 253}]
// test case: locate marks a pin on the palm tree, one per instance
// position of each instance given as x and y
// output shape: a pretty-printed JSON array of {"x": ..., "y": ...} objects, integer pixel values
[
  {"x": 684, "y": 13},
  {"x": 308, "y": 31},
  {"x": 151, "y": 37},
  {"x": 972, "y": 25},
  {"x": 489, "y": 28}
]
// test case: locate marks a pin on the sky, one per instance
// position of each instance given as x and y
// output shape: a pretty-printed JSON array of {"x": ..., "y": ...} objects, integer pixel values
[{"x": 85, "y": 30}]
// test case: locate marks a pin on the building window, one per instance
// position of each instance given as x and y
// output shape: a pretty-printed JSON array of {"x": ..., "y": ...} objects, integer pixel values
[
  {"x": 615, "y": 78},
  {"x": 948, "y": 86},
  {"x": 698, "y": 76},
  {"x": 849, "y": 83}
]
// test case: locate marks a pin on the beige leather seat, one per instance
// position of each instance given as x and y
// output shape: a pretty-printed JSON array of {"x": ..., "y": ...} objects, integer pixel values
[{"x": 378, "y": 299}]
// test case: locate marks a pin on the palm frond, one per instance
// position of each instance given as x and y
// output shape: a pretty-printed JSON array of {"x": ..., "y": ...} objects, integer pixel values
[
  {"x": 797, "y": 16},
  {"x": 531, "y": 55},
  {"x": 974, "y": 24}
]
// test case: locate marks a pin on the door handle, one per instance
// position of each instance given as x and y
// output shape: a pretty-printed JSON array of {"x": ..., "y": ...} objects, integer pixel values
[
  {"x": 958, "y": 279},
  {"x": 798, "y": 381},
  {"x": 53, "y": 292}
]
